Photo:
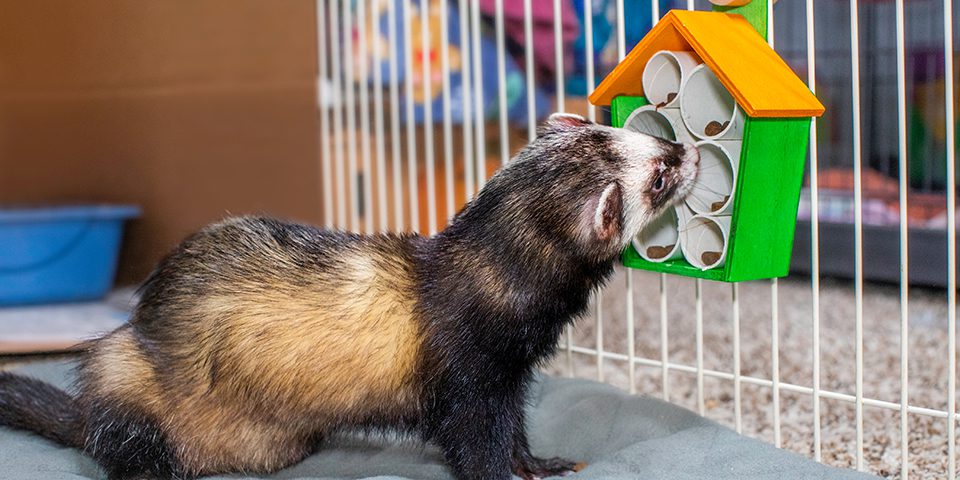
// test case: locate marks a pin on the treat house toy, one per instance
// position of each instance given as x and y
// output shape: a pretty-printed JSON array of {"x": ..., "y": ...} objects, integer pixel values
[{"x": 710, "y": 78}]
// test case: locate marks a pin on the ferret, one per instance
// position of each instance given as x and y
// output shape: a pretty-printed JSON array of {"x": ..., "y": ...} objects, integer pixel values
[{"x": 256, "y": 339}]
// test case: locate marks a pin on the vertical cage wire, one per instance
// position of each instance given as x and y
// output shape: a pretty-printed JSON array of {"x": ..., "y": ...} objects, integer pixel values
[
  {"x": 598, "y": 335},
  {"x": 365, "y": 122},
  {"x": 479, "y": 111},
  {"x": 774, "y": 298},
  {"x": 410, "y": 122},
  {"x": 528, "y": 56},
  {"x": 502, "y": 83},
  {"x": 589, "y": 53},
  {"x": 904, "y": 264},
  {"x": 698, "y": 287},
  {"x": 325, "y": 110},
  {"x": 631, "y": 321},
  {"x": 351, "y": 106},
  {"x": 558, "y": 55},
  {"x": 857, "y": 221},
  {"x": 621, "y": 31},
  {"x": 378, "y": 121},
  {"x": 631, "y": 339},
  {"x": 445, "y": 102},
  {"x": 699, "y": 341},
  {"x": 428, "y": 117},
  {"x": 396, "y": 159},
  {"x": 338, "y": 114},
  {"x": 814, "y": 232},
  {"x": 775, "y": 358},
  {"x": 466, "y": 100},
  {"x": 951, "y": 241},
  {"x": 664, "y": 340},
  {"x": 364, "y": 80},
  {"x": 480, "y": 117},
  {"x": 737, "y": 401}
]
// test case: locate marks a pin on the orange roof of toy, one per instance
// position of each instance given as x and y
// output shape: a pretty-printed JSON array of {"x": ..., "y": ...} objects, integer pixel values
[{"x": 760, "y": 81}]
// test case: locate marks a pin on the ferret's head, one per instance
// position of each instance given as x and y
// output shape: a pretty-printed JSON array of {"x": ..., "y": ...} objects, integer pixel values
[{"x": 598, "y": 186}]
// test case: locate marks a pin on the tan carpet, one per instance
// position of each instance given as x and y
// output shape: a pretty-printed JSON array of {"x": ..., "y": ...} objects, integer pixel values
[{"x": 927, "y": 372}]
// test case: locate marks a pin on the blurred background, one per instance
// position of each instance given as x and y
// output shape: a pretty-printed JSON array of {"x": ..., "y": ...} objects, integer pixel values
[{"x": 191, "y": 110}]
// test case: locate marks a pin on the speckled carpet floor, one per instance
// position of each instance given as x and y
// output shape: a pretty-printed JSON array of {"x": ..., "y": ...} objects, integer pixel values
[{"x": 881, "y": 379}]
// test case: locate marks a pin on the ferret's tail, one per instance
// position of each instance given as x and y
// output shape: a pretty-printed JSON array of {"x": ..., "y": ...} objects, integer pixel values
[{"x": 29, "y": 404}]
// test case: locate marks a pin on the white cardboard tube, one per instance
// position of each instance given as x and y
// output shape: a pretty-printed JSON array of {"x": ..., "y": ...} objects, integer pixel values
[
  {"x": 665, "y": 73},
  {"x": 684, "y": 213},
  {"x": 663, "y": 231},
  {"x": 702, "y": 234},
  {"x": 717, "y": 179},
  {"x": 704, "y": 100},
  {"x": 664, "y": 123}
]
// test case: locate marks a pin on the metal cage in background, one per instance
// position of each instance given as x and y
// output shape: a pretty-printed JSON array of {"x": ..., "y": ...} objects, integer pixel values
[{"x": 421, "y": 100}]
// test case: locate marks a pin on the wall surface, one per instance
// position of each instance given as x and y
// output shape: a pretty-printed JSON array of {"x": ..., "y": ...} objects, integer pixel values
[{"x": 192, "y": 109}]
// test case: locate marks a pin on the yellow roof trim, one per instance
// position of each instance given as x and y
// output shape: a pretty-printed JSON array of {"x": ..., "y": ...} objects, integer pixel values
[{"x": 761, "y": 82}]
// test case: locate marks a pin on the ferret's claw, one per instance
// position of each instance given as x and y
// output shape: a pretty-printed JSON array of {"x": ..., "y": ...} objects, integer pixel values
[{"x": 539, "y": 468}]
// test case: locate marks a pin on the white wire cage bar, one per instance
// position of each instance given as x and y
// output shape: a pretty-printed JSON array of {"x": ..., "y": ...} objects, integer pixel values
[{"x": 389, "y": 69}]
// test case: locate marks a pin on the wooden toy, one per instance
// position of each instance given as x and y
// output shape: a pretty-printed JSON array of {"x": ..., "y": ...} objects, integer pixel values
[{"x": 710, "y": 79}]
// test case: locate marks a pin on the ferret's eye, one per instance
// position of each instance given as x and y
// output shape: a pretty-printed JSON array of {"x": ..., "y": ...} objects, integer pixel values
[{"x": 658, "y": 184}]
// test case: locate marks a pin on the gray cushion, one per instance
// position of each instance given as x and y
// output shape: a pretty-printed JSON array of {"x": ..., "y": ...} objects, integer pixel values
[{"x": 620, "y": 436}]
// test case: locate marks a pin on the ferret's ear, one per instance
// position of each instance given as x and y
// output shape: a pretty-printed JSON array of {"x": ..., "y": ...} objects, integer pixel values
[
  {"x": 563, "y": 121},
  {"x": 603, "y": 213}
]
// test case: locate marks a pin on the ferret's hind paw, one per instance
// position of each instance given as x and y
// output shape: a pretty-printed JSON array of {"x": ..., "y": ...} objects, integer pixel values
[{"x": 539, "y": 468}]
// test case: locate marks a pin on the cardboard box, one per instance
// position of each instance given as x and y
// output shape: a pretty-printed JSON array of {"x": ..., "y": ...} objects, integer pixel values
[{"x": 192, "y": 109}]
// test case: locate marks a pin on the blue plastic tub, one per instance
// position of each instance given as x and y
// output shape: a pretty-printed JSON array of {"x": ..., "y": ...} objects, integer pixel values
[{"x": 59, "y": 254}]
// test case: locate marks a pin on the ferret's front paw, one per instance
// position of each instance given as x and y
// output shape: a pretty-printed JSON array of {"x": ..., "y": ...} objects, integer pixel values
[{"x": 538, "y": 468}]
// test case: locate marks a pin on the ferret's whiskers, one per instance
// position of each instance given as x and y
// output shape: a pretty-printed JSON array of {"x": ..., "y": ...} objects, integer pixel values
[
  {"x": 713, "y": 166},
  {"x": 702, "y": 188}
]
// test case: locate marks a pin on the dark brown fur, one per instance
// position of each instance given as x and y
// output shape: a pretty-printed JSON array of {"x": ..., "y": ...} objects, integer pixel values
[{"x": 255, "y": 338}]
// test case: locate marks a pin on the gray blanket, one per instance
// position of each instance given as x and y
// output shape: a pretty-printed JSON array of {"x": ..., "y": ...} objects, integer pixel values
[{"x": 620, "y": 436}]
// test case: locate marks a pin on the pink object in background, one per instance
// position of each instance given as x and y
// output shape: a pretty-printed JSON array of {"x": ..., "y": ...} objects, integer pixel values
[{"x": 543, "y": 39}]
